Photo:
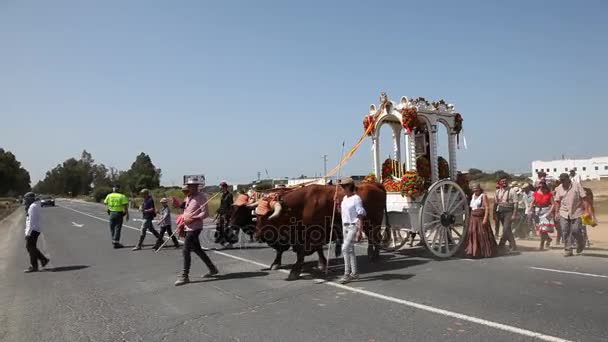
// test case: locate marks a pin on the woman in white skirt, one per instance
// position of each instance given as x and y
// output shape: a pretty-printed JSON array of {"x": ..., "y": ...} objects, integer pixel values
[{"x": 353, "y": 214}]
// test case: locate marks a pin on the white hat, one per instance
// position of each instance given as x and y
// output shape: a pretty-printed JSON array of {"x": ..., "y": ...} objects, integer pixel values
[{"x": 164, "y": 200}]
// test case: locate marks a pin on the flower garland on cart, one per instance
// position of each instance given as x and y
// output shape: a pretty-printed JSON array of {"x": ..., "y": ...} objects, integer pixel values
[
  {"x": 370, "y": 178},
  {"x": 409, "y": 119},
  {"x": 367, "y": 121},
  {"x": 412, "y": 185}
]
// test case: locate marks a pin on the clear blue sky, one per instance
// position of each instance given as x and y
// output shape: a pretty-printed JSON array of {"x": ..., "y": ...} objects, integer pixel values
[{"x": 254, "y": 85}]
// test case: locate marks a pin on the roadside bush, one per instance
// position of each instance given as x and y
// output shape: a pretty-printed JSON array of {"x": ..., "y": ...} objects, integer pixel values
[{"x": 100, "y": 193}]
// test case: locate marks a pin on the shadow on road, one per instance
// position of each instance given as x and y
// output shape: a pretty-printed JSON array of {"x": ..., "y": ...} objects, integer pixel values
[
  {"x": 386, "y": 277},
  {"x": 236, "y": 275},
  {"x": 67, "y": 268},
  {"x": 595, "y": 255}
]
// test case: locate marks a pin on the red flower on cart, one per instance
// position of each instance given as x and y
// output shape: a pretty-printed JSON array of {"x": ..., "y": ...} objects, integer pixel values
[
  {"x": 412, "y": 184},
  {"x": 409, "y": 119},
  {"x": 368, "y": 121},
  {"x": 371, "y": 178}
]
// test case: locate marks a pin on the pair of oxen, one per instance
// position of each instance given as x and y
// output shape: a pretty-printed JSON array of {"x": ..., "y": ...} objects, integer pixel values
[{"x": 301, "y": 218}]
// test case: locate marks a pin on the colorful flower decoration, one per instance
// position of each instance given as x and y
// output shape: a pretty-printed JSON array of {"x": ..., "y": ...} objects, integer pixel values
[
  {"x": 412, "y": 184},
  {"x": 392, "y": 185},
  {"x": 444, "y": 168},
  {"x": 409, "y": 119},
  {"x": 367, "y": 121},
  {"x": 370, "y": 178}
]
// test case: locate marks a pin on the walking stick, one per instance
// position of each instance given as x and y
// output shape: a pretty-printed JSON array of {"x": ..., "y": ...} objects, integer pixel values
[
  {"x": 175, "y": 232},
  {"x": 333, "y": 215}
]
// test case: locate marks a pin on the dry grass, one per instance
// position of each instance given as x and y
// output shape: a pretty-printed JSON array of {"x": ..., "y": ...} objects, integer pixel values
[{"x": 7, "y": 207}]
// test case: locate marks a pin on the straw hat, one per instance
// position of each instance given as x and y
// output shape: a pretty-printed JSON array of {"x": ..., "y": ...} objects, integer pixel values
[{"x": 346, "y": 181}]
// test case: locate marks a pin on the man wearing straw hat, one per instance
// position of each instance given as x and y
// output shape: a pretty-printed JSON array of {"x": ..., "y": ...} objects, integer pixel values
[{"x": 195, "y": 212}]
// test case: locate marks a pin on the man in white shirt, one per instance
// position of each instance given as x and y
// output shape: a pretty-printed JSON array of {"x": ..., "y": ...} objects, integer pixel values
[
  {"x": 32, "y": 231},
  {"x": 575, "y": 177}
]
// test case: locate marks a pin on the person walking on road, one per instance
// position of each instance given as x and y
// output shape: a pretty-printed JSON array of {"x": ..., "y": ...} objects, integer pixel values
[
  {"x": 571, "y": 203},
  {"x": 118, "y": 209},
  {"x": 222, "y": 233},
  {"x": 149, "y": 213},
  {"x": 32, "y": 231},
  {"x": 353, "y": 213},
  {"x": 196, "y": 210},
  {"x": 507, "y": 200},
  {"x": 543, "y": 208},
  {"x": 165, "y": 224},
  {"x": 481, "y": 242}
]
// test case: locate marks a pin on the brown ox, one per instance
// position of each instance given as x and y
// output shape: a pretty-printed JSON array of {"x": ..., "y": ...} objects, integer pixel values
[{"x": 301, "y": 219}]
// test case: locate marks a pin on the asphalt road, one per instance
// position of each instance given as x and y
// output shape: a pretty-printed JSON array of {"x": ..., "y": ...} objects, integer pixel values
[{"x": 92, "y": 292}]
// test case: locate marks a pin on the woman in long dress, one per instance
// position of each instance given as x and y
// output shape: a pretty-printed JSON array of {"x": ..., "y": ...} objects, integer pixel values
[{"x": 480, "y": 239}]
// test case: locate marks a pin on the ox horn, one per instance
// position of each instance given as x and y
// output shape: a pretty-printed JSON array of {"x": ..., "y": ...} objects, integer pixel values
[{"x": 277, "y": 211}]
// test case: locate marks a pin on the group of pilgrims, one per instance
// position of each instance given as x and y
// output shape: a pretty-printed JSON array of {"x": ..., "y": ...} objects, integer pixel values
[{"x": 548, "y": 206}]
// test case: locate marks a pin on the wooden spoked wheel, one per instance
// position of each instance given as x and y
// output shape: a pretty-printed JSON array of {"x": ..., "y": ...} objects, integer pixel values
[{"x": 444, "y": 218}]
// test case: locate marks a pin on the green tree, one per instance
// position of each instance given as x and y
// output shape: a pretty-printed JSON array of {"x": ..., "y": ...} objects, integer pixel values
[
  {"x": 142, "y": 174},
  {"x": 14, "y": 179}
]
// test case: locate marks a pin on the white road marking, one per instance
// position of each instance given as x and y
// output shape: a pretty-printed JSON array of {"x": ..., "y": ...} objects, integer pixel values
[
  {"x": 570, "y": 272},
  {"x": 423, "y": 307},
  {"x": 77, "y": 224}
]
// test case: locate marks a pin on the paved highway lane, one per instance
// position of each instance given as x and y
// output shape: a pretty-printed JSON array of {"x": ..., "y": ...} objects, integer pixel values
[{"x": 96, "y": 293}]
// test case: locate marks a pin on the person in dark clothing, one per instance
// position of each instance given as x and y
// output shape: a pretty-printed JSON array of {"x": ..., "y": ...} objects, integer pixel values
[
  {"x": 223, "y": 233},
  {"x": 149, "y": 212}
]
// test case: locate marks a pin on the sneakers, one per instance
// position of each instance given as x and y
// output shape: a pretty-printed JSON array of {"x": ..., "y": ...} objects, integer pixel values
[
  {"x": 45, "y": 262},
  {"x": 118, "y": 245},
  {"x": 30, "y": 270},
  {"x": 354, "y": 276},
  {"x": 568, "y": 253},
  {"x": 211, "y": 273},
  {"x": 182, "y": 280},
  {"x": 136, "y": 248},
  {"x": 345, "y": 279}
]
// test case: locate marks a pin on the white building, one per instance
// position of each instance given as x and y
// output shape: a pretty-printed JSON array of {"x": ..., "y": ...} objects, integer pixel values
[{"x": 588, "y": 169}]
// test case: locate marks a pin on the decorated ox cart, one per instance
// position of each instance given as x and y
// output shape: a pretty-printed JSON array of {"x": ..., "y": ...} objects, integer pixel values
[{"x": 426, "y": 196}]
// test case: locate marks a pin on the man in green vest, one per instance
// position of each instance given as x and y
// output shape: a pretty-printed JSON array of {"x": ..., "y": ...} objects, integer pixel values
[{"x": 118, "y": 207}]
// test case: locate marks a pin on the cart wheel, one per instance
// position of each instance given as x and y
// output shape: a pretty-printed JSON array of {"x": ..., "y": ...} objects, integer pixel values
[
  {"x": 393, "y": 234},
  {"x": 444, "y": 218}
]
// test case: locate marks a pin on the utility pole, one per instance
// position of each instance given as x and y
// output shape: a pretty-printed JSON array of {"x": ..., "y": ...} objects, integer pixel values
[{"x": 259, "y": 175}]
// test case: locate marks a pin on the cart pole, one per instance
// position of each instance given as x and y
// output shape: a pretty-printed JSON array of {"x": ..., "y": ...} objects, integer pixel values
[{"x": 333, "y": 215}]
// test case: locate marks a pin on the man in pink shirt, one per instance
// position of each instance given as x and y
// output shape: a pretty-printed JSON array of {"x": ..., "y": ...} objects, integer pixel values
[{"x": 195, "y": 212}]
